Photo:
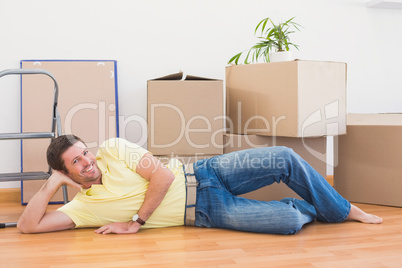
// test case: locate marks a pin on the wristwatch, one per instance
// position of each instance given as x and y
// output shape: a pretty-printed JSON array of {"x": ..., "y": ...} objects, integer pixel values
[{"x": 138, "y": 219}]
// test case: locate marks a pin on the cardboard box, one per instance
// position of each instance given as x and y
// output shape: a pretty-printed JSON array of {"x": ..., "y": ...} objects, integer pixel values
[
  {"x": 185, "y": 115},
  {"x": 292, "y": 99},
  {"x": 369, "y": 166},
  {"x": 313, "y": 150},
  {"x": 87, "y": 106}
]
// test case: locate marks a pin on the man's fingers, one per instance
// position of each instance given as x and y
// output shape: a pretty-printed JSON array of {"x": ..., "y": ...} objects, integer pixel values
[
  {"x": 101, "y": 229},
  {"x": 65, "y": 179},
  {"x": 107, "y": 231},
  {"x": 77, "y": 186},
  {"x": 116, "y": 228},
  {"x": 73, "y": 184}
]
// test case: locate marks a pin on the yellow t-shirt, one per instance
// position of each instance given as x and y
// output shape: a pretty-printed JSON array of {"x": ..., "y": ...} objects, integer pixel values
[{"x": 122, "y": 191}]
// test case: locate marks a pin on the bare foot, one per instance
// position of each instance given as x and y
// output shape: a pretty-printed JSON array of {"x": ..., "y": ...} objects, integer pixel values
[{"x": 356, "y": 214}]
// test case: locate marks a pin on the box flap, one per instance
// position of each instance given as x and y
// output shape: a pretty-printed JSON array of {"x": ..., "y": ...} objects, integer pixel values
[
  {"x": 385, "y": 119},
  {"x": 192, "y": 77},
  {"x": 182, "y": 76},
  {"x": 176, "y": 76}
]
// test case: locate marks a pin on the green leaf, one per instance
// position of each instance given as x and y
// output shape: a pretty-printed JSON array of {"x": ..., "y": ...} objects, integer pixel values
[
  {"x": 235, "y": 58},
  {"x": 263, "y": 26},
  {"x": 264, "y": 22},
  {"x": 246, "y": 60},
  {"x": 289, "y": 20},
  {"x": 271, "y": 33}
]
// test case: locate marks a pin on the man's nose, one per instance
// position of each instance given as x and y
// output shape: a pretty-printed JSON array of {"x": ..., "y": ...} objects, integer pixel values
[{"x": 87, "y": 160}]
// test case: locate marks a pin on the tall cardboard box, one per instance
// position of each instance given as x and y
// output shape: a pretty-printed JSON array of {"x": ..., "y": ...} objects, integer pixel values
[
  {"x": 185, "y": 115},
  {"x": 87, "y": 105},
  {"x": 369, "y": 166},
  {"x": 313, "y": 150},
  {"x": 292, "y": 99}
]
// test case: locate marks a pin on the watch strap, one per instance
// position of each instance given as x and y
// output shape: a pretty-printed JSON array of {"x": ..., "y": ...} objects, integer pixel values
[{"x": 138, "y": 219}]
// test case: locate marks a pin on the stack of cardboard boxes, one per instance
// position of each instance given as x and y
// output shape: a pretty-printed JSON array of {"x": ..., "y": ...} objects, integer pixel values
[{"x": 294, "y": 104}]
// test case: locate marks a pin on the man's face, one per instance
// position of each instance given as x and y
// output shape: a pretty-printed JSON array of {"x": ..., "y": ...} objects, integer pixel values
[{"x": 81, "y": 165}]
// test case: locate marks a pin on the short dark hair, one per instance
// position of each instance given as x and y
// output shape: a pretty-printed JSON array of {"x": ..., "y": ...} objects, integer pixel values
[{"x": 57, "y": 147}]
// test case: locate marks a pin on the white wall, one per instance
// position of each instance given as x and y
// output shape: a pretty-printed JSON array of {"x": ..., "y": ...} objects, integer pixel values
[{"x": 156, "y": 37}]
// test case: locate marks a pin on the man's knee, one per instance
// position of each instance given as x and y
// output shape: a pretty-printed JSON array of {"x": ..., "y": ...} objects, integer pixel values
[
  {"x": 297, "y": 214},
  {"x": 286, "y": 151},
  {"x": 292, "y": 223}
]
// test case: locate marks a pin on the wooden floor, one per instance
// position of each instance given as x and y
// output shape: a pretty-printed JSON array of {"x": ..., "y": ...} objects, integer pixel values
[{"x": 348, "y": 244}]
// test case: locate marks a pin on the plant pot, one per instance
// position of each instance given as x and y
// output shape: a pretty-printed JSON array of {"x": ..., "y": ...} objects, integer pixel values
[{"x": 280, "y": 56}]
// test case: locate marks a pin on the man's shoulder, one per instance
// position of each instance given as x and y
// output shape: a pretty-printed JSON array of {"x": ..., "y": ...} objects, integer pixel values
[
  {"x": 113, "y": 142},
  {"x": 119, "y": 142},
  {"x": 121, "y": 148}
]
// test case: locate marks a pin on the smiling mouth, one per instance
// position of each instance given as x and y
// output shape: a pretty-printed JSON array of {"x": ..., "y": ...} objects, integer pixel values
[{"x": 90, "y": 168}]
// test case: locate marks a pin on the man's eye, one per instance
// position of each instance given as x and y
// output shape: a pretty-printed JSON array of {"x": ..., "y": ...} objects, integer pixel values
[
  {"x": 85, "y": 152},
  {"x": 75, "y": 161}
]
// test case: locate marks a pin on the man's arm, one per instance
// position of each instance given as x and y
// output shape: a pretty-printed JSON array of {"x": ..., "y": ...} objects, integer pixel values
[
  {"x": 35, "y": 219},
  {"x": 160, "y": 178}
]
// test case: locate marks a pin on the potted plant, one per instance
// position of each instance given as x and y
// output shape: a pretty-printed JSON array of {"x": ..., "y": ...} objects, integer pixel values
[{"x": 274, "y": 42}]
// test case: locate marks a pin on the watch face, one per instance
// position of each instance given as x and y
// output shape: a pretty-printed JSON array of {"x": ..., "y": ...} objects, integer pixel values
[{"x": 135, "y": 217}]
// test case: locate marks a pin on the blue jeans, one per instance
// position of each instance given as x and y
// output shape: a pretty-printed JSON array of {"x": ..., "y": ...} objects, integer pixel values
[{"x": 222, "y": 178}]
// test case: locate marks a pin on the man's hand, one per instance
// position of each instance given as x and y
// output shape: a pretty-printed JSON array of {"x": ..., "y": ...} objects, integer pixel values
[
  {"x": 63, "y": 179},
  {"x": 130, "y": 227}
]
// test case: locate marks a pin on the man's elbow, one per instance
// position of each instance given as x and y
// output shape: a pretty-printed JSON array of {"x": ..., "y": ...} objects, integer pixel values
[
  {"x": 25, "y": 228},
  {"x": 165, "y": 173}
]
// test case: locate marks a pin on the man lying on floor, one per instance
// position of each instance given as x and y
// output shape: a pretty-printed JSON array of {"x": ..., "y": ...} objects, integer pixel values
[{"x": 124, "y": 188}]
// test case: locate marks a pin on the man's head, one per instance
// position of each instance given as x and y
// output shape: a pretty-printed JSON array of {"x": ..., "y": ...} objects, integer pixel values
[
  {"x": 69, "y": 154},
  {"x": 56, "y": 149}
]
